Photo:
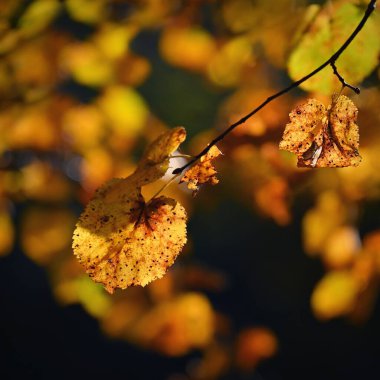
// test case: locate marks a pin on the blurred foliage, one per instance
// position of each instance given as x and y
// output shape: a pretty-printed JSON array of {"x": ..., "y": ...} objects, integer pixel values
[{"x": 85, "y": 85}]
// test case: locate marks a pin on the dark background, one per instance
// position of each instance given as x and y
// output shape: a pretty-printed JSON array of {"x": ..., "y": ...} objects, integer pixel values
[{"x": 269, "y": 283}]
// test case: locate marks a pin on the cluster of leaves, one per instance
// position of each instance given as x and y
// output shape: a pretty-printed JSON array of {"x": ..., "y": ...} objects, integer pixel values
[{"x": 58, "y": 144}]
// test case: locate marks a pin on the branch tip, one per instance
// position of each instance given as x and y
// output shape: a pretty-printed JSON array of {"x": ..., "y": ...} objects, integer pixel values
[{"x": 341, "y": 79}]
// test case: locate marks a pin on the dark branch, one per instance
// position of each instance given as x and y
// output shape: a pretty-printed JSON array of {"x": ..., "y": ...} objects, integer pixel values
[
  {"x": 341, "y": 79},
  {"x": 331, "y": 61}
]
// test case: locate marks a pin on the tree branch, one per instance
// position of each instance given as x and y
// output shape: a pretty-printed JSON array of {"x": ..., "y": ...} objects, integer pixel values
[
  {"x": 341, "y": 79},
  {"x": 331, "y": 61}
]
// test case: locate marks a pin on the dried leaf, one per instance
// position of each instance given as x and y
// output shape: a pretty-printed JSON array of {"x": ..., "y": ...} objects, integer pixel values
[
  {"x": 122, "y": 241},
  {"x": 203, "y": 171},
  {"x": 155, "y": 161},
  {"x": 162, "y": 147},
  {"x": 323, "y": 137}
]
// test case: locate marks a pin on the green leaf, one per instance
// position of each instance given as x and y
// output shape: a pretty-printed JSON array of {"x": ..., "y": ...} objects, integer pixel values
[{"x": 324, "y": 37}]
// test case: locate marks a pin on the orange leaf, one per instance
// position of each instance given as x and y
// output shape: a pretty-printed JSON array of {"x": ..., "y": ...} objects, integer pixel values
[
  {"x": 123, "y": 241},
  {"x": 203, "y": 171},
  {"x": 323, "y": 137}
]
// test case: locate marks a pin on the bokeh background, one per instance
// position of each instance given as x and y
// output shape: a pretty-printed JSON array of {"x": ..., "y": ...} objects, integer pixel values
[{"x": 280, "y": 276}]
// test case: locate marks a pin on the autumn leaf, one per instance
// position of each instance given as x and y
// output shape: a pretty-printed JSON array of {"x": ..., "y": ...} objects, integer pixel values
[
  {"x": 155, "y": 160},
  {"x": 323, "y": 137},
  {"x": 123, "y": 241},
  {"x": 159, "y": 151},
  {"x": 203, "y": 171},
  {"x": 332, "y": 25}
]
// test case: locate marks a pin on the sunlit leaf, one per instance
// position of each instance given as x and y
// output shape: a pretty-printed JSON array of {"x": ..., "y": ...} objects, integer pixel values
[
  {"x": 203, "y": 171},
  {"x": 327, "y": 33},
  {"x": 122, "y": 241},
  {"x": 323, "y": 137},
  {"x": 155, "y": 160}
]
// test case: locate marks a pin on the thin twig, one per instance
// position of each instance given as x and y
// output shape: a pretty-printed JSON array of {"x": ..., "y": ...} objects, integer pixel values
[
  {"x": 341, "y": 79},
  {"x": 370, "y": 8}
]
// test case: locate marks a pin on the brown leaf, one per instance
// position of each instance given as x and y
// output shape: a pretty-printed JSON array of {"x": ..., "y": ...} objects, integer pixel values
[
  {"x": 323, "y": 137},
  {"x": 203, "y": 171},
  {"x": 122, "y": 241}
]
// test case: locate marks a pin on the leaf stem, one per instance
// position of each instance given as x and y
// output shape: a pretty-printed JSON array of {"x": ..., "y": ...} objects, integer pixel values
[
  {"x": 331, "y": 61},
  {"x": 163, "y": 187}
]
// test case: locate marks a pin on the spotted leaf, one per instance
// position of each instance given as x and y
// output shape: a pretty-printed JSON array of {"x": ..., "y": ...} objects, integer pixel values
[
  {"x": 122, "y": 241},
  {"x": 323, "y": 137},
  {"x": 203, "y": 171}
]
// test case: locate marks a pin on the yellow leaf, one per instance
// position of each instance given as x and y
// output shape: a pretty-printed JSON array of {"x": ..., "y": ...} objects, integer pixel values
[
  {"x": 323, "y": 137},
  {"x": 155, "y": 160},
  {"x": 331, "y": 27},
  {"x": 122, "y": 241},
  {"x": 203, "y": 171}
]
